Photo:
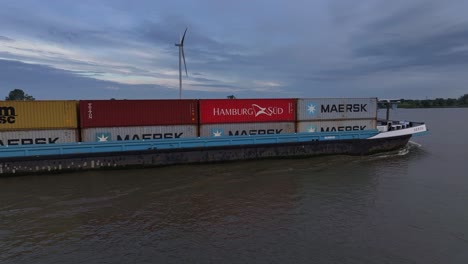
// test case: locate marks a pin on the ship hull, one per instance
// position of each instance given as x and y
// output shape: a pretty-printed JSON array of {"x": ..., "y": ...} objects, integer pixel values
[{"x": 164, "y": 157}]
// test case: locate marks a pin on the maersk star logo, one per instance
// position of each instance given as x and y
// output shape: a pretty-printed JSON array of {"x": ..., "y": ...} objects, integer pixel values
[
  {"x": 217, "y": 132},
  {"x": 312, "y": 129},
  {"x": 311, "y": 109},
  {"x": 103, "y": 137}
]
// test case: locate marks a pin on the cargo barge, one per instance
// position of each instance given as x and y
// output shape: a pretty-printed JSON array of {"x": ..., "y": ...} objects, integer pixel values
[{"x": 145, "y": 133}]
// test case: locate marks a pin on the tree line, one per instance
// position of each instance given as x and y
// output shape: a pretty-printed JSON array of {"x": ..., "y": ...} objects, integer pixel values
[
  {"x": 19, "y": 95},
  {"x": 462, "y": 101}
]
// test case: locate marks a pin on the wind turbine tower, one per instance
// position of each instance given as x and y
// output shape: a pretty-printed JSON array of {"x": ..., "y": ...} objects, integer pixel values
[{"x": 181, "y": 56}]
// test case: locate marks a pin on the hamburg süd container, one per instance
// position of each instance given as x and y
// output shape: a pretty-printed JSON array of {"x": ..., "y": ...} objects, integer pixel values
[
  {"x": 103, "y": 134},
  {"x": 336, "y": 108},
  {"x": 224, "y": 111},
  {"x": 33, "y": 115},
  {"x": 122, "y": 113},
  {"x": 246, "y": 129},
  {"x": 336, "y": 125},
  {"x": 30, "y": 137}
]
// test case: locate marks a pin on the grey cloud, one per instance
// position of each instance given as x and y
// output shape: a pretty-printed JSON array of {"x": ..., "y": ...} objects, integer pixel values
[
  {"x": 53, "y": 27},
  {"x": 159, "y": 33},
  {"x": 402, "y": 16},
  {"x": 6, "y": 39},
  {"x": 96, "y": 69},
  {"x": 216, "y": 85},
  {"x": 440, "y": 48},
  {"x": 200, "y": 79},
  {"x": 167, "y": 32},
  {"x": 406, "y": 35},
  {"x": 348, "y": 49},
  {"x": 86, "y": 37},
  {"x": 415, "y": 34},
  {"x": 45, "y": 82}
]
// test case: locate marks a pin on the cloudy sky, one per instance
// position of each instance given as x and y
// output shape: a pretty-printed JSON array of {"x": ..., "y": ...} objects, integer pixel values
[{"x": 68, "y": 49}]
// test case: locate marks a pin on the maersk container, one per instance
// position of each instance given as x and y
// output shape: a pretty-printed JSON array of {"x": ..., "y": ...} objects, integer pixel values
[
  {"x": 123, "y": 113},
  {"x": 215, "y": 111},
  {"x": 336, "y": 108},
  {"x": 30, "y": 137},
  {"x": 32, "y": 115},
  {"x": 336, "y": 125},
  {"x": 246, "y": 129},
  {"x": 102, "y": 134}
]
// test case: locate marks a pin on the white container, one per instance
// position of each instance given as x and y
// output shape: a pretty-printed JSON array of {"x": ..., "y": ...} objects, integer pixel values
[
  {"x": 246, "y": 129},
  {"x": 336, "y": 125},
  {"x": 30, "y": 137},
  {"x": 102, "y": 134},
  {"x": 336, "y": 108}
]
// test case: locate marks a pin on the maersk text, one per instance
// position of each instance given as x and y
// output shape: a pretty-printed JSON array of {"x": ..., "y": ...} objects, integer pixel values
[
  {"x": 28, "y": 141},
  {"x": 343, "y": 108},
  {"x": 149, "y": 136},
  {"x": 342, "y": 128},
  {"x": 253, "y": 132}
]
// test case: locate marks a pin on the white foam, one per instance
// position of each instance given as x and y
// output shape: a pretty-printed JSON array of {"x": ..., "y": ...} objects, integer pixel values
[{"x": 398, "y": 153}]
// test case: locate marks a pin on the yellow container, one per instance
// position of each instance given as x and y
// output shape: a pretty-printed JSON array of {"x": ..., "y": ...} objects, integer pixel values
[{"x": 17, "y": 115}]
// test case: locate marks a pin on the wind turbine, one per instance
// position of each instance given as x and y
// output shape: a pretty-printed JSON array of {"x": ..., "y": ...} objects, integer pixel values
[{"x": 181, "y": 56}]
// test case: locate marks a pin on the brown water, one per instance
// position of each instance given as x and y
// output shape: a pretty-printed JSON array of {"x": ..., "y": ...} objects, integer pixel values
[{"x": 408, "y": 206}]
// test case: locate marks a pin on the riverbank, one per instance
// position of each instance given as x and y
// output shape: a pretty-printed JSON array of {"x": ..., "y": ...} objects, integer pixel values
[
  {"x": 461, "y": 102},
  {"x": 427, "y": 107}
]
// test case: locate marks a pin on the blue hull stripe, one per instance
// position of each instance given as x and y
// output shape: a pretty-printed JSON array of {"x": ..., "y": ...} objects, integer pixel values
[{"x": 118, "y": 146}]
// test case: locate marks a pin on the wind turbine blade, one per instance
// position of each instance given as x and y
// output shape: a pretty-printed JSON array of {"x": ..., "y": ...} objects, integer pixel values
[
  {"x": 182, "y": 41},
  {"x": 183, "y": 56}
]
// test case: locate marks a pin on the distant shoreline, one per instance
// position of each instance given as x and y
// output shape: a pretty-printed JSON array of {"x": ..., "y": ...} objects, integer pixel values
[
  {"x": 427, "y": 107},
  {"x": 461, "y": 102},
  {"x": 422, "y": 107}
]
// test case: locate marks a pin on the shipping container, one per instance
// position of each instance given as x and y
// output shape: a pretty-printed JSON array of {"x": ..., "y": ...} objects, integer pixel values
[
  {"x": 336, "y": 108},
  {"x": 246, "y": 129},
  {"x": 18, "y": 115},
  {"x": 224, "y": 111},
  {"x": 101, "y": 134},
  {"x": 123, "y": 113},
  {"x": 336, "y": 125},
  {"x": 29, "y": 137}
]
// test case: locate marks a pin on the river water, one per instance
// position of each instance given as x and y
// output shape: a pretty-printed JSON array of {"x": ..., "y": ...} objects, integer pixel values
[{"x": 408, "y": 206}]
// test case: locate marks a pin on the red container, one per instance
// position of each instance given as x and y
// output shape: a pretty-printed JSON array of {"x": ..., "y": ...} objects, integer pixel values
[
  {"x": 121, "y": 113},
  {"x": 225, "y": 111}
]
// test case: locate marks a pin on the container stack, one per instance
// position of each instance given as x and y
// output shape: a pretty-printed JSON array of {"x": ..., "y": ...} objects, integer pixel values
[
  {"x": 50, "y": 122},
  {"x": 38, "y": 122},
  {"x": 116, "y": 120},
  {"x": 336, "y": 115},
  {"x": 246, "y": 117}
]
